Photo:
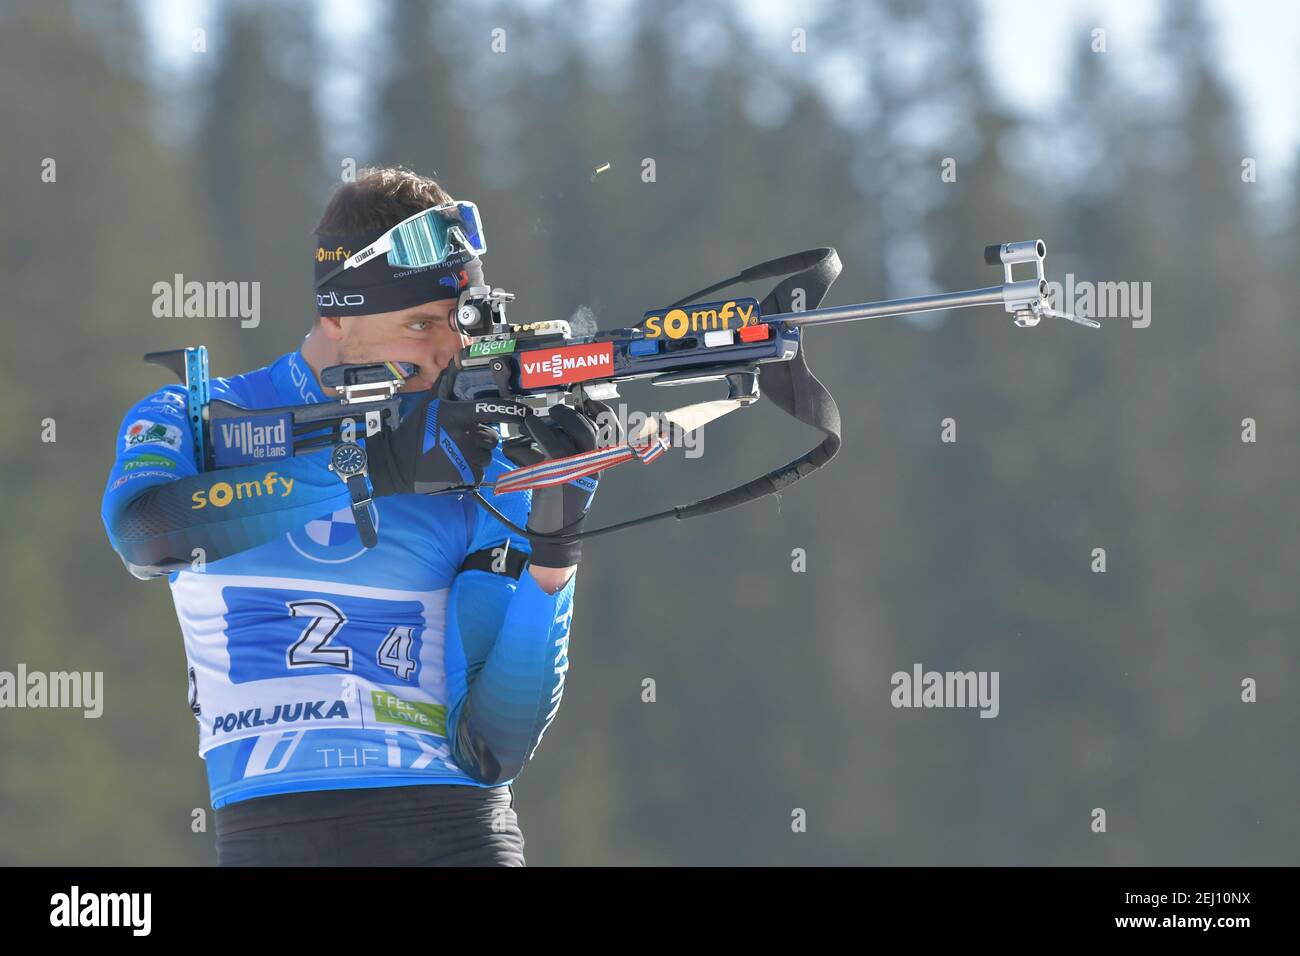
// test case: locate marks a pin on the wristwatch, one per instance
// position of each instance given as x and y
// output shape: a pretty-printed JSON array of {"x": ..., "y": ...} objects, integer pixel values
[{"x": 348, "y": 461}]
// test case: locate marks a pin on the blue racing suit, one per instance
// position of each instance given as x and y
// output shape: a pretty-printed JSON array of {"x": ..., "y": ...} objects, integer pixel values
[{"x": 314, "y": 663}]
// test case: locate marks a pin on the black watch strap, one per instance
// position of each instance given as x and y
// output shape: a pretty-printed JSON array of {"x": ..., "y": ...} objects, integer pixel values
[{"x": 359, "y": 489}]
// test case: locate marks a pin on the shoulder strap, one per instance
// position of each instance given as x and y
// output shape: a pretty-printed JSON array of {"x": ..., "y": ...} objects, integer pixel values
[{"x": 791, "y": 385}]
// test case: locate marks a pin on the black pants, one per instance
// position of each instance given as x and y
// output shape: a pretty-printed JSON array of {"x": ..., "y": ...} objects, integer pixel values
[{"x": 429, "y": 825}]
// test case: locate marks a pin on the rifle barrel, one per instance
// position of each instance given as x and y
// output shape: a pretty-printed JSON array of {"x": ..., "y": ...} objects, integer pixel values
[{"x": 992, "y": 295}]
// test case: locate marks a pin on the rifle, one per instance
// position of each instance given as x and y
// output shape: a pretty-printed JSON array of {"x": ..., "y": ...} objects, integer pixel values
[{"x": 735, "y": 340}]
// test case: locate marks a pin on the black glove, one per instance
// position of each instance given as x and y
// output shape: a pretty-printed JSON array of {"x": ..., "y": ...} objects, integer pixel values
[
  {"x": 440, "y": 445},
  {"x": 563, "y": 506}
]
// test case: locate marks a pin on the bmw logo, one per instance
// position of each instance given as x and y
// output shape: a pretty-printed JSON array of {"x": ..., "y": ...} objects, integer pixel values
[{"x": 331, "y": 538}]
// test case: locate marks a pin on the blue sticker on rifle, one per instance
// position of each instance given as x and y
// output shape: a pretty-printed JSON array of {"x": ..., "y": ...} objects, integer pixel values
[{"x": 252, "y": 440}]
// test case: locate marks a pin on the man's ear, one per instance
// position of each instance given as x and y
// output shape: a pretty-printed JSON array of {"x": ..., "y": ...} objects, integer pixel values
[{"x": 332, "y": 326}]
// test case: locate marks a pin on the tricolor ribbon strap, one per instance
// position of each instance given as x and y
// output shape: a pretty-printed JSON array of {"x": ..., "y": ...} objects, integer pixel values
[
  {"x": 651, "y": 440},
  {"x": 557, "y": 471}
]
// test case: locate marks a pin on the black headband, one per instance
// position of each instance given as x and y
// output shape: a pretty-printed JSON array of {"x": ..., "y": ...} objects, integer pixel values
[{"x": 375, "y": 286}]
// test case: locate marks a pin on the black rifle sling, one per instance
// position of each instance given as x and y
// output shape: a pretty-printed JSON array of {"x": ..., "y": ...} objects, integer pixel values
[{"x": 791, "y": 386}]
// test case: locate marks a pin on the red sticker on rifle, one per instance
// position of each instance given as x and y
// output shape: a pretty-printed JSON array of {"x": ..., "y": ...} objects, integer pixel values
[{"x": 570, "y": 363}]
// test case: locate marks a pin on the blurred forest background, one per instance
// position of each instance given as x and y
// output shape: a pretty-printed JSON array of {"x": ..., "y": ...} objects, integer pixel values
[{"x": 1119, "y": 690}]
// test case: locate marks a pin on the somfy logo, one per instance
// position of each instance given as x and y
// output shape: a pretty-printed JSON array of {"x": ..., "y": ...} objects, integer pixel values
[
  {"x": 102, "y": 909},
  {"x": 709, "y": 316},
  {"x": 223, "y": 492},
  {"x": 332, "y": 255}
]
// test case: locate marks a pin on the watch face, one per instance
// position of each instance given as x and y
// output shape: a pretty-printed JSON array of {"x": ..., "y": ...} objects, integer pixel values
[{"x": 349, "y": 459}]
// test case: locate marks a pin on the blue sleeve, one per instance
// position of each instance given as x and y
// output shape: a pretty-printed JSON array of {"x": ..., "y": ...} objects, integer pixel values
[
  {"x": 158, "y": 508},
  {"x": 507, "y": 653}
]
